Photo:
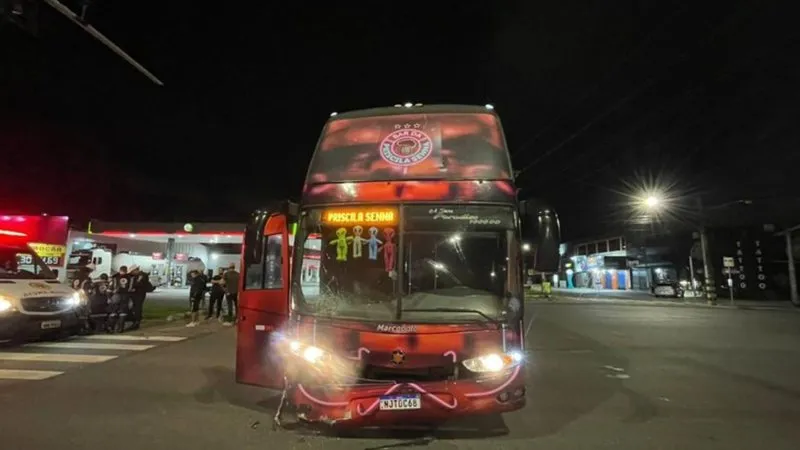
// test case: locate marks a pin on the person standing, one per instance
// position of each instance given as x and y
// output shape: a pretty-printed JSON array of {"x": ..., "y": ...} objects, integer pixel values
[
  {"x": 83, "y": 283},
  {"x": 120, "y": 298},
  {"x": 141, "y": 287},
  {"x": 197, "y": 290},
  {"x": 217, "y": 293},
  {"x": 231, "y": 280}
]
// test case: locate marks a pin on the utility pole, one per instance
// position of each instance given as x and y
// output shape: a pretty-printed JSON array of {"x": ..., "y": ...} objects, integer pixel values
[
  {"x": 792, "y": 275},
  {"x": 790, "y": 256},
  {"x": 710, "y": 287}
]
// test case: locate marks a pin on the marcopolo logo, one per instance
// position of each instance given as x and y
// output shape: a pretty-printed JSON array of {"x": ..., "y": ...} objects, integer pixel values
[
  {"x": 392, "y": 328},
  {"x": 406, "y": 147}
]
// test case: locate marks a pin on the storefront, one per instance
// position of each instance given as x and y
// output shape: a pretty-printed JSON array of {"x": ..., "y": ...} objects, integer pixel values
[{"x": 598, "y": 272}]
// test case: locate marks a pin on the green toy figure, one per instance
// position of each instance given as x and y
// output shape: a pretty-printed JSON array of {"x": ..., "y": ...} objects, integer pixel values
[{"x": 341, "y": 242}]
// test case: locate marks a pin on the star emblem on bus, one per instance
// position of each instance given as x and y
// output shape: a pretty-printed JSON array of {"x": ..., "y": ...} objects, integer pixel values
[{"x": 398, "y": 357}]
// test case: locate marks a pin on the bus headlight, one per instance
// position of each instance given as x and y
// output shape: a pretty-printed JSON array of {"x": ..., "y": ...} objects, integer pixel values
[
  {"x": 493, "y": 362},
  {"x": 322, "y": 361},
  {"x": 309, "y": 353},
  {"x": 5, "y": 305}
]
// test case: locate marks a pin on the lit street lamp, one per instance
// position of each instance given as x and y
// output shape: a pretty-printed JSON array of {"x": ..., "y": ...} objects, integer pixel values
[
  {"x": 654, "y": 203},
  {"x": 526, "y": 247}
]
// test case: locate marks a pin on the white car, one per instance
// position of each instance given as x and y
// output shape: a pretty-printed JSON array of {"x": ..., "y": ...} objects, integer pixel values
[{"x": 33, "y": 304}]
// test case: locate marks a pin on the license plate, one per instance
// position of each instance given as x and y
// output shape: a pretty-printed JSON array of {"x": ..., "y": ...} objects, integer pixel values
[
  {"x": 400, "y": 402},
  {"x": 50, "y": 324},
  {"x": 665, "y": 291}
]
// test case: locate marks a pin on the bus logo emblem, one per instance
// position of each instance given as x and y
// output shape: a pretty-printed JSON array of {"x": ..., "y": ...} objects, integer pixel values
[
  {"x": 398, "y": 357},
  {"x": 406, "y": 147}
]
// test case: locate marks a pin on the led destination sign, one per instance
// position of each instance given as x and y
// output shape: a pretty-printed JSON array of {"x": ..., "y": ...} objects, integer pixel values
[{"x": 360, "y": 216}]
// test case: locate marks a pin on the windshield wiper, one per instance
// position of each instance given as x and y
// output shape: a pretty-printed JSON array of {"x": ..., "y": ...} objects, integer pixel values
[{"x": 453, "y": 310}]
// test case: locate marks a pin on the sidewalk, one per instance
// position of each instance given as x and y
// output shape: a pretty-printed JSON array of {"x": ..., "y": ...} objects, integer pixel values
[{"x": 638, "y": 298}]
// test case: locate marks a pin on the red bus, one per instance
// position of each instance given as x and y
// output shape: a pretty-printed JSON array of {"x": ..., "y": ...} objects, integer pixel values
[{"x": 392, "y": 294}]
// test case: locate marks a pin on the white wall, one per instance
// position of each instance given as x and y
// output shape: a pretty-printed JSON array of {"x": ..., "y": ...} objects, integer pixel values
[
  {"x": 224, "y": 260},
  {"x": 191, "y": 250}
]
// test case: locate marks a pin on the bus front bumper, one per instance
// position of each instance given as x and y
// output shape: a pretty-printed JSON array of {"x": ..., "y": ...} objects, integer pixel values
[{"x": 422, "y": 403}]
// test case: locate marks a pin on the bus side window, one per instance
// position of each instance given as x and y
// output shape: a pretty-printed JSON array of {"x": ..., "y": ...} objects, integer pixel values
[
  {"x": 273, "y": 276},
  {"x": 253, "y": 275}
]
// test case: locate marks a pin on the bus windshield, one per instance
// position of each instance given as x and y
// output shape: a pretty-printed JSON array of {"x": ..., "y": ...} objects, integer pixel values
[
  {"x": 21, "y": 263},
  {"x": 453, "y": 269}
]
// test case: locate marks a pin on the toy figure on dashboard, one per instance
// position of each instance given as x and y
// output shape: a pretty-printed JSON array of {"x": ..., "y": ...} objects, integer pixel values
[
  {"x": 341, "y": 244},
  {"x": 358, "y": 240},
  {"x": 388, "y": 249},
  {"x": 372, "y": 243}
]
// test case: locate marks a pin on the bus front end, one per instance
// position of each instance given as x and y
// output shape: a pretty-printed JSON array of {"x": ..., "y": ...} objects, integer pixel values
[
  {"x": 403, "y": 302},
  {"x": 405, "y": 314}
]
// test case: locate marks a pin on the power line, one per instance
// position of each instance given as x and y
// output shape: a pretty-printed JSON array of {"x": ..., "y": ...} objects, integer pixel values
[
  {"x": 665, "y": 73},
  {"x": 628, "y": 56}
]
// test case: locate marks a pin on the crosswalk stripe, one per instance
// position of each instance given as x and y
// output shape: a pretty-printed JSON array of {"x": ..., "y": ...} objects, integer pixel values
[
  {"x": 91, "y": 346},
  {"x": 8, "y": 374},
  {"x": 130, "y": 337},
  {"x": 55, "y": 357}
]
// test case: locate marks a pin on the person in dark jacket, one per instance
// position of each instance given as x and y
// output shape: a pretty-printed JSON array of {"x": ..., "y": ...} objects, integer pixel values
[
  {"x": 231, "y": 281},
  {"x": 120, "y": 298},
  {"x": 82, "y": 282},
  {"x": 98, "y": 303},
  {"x": 215, "y": 298},
  {"x": 141, "y": 286},
  {"x": 197, "y": 289}
]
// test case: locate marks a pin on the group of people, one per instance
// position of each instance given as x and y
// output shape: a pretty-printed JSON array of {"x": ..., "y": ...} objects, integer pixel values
[
  {"x": 225, "y": 284},
  {"x": 113, "y": 301}
]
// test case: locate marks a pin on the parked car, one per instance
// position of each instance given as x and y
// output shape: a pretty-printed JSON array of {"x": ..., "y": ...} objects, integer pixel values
[{"x": 668, "y": 288}]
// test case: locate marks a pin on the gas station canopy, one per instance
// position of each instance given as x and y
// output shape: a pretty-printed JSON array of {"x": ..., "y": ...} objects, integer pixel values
[{"x": 189, "y": 233}]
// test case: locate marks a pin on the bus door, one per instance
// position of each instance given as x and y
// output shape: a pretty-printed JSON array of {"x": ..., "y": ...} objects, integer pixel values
[{"x": 263, "y": 299}]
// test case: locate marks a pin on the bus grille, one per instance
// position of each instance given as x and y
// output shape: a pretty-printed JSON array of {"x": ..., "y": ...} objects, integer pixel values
[{"x": 434, "y": 373}]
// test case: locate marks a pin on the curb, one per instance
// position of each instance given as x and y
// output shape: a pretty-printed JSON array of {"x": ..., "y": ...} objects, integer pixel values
[{"x": 595, "y": 301}]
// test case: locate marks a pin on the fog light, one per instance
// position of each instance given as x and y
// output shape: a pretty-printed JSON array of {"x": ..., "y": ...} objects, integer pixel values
[
  {"x": 502, "y": 398},
  {"x": 519, "y": 392}
]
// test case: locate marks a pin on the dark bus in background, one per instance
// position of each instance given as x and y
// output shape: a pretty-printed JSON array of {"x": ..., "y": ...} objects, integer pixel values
[{"x": 392, "y": 294}]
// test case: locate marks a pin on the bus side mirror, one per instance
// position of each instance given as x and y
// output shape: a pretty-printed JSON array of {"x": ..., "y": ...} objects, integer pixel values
[
  {"x": 513, "y": 308},
  {"x": 254, "y": 238},
  {"x": 541, "y": 227}
]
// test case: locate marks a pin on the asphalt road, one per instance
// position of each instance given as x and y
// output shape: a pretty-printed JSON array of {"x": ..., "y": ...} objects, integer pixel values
[
  {"x": 169, "y": 297},
  {"x": 602, "y": 376}
]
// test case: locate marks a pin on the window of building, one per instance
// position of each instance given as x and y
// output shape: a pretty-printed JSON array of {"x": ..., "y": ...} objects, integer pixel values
[
  {"x": 602, "y": 246},
  {"x": 614, "y": 245},
  {"x": 591, "y": 248}
]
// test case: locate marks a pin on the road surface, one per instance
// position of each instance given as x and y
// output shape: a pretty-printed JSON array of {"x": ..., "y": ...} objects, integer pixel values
[{"x": 601, "y": 377}]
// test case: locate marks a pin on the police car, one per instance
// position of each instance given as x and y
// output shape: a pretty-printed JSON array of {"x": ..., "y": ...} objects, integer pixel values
[{"x": 33, "y": 304}]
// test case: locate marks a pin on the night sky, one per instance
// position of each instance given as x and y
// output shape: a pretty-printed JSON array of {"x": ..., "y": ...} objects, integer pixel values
[{"x": 597, "y": 97}]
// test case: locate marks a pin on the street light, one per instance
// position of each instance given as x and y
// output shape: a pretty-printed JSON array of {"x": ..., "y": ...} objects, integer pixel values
[
  {"x": 526, "y": 247},
  {"x": 654, "y": 203}
]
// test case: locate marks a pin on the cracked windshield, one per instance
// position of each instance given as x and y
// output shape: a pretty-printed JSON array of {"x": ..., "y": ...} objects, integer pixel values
[{"x": 455, "y": 263}]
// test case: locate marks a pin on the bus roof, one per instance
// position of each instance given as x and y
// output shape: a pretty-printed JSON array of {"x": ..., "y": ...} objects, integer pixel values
[{"x": 421, "y": 109}]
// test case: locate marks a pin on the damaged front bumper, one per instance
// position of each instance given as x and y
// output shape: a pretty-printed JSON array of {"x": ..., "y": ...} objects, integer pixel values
[{"x": 375, "y": 405}]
